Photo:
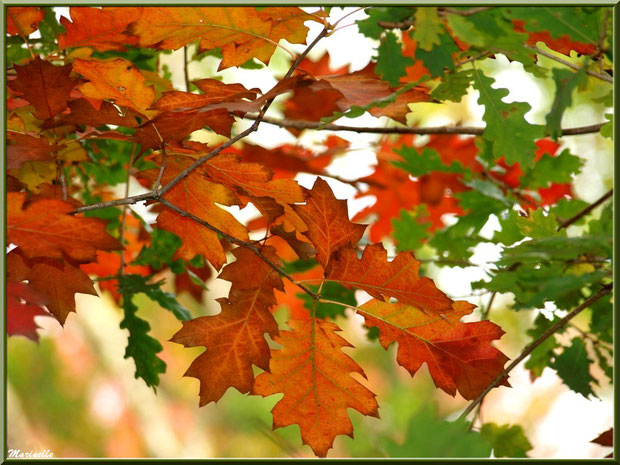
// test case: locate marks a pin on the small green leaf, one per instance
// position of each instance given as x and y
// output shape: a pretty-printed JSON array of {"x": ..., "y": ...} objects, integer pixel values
[
  {"x": 439, "y": 58},
  {"x": 161, "y": 250},
  {"x": 329, "y": 291},
  {"x": 428, "y": 28},
  {"x": 573, "y": 366},
  {"x": 299, "y": 266},
  {"x": 370, "y": 27},
  {"x": 549, "y": 169},
  {"x": 565, "y": 82},
  {"x": 409, "y": 228},
  {"x": 136, "y": 284},
  {"x": 539, "y": 225},
  {"x": 509, "y": 232},
  {"x": 607, "y": 130},
  {"x": 424, "y": 162},
  {"x": 489, "y": 189},
  {"x": 391, "y": 63},
  {"x": 506, "y": 128},
  {"x": 453, "y": 86},
  {"x": 506, "y": 440}
]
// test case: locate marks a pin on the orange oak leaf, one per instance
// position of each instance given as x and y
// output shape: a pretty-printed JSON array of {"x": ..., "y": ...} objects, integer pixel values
[
  {"x": 314, "y": 374},
  {"x": 118, "y": 80},
  {"x": 562, "y": 44},
  {"x": 241, "y": 32},
  {"x": 199, "y": 196},
  {"x": 214, "y": 92},
  {"x": 172, "y": 128},
  {"x": 235, "y": 338},
  {"x": 22, "y": 305},
  {"x": 328, "y": 223},
  {"x": 24, "y": 147},
  {"x": 253, "y": 179},
  {"x": 100, "y": 28},
  {"x": 382, "y": 279},
  {"x": 184, "y": 283},
  {"x": 45, "y": 86},
  {"x": 23, "y": 20},
  {"x": 459, "y": 356},
  {"x": 45, "y": 228}
]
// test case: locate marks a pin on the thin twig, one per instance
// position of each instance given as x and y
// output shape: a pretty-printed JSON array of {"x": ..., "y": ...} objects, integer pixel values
[
  {"x": 116, "y": 203},
  {"x": 239, "y": 242},
  {"x": 602, "y": 77},
  {"x": 164, "y": 158},
  {"x": 62, "y": 179},
  {"x": 586, "y": 210},
  {"x": 185, "y": 68},
  {"x": 121, "y": 227},
  {"x": 466, "y": 130},
  {"x": 470, "y": 12},
  {"x": 530, "y": 348},
  {"x": 487, "y": 310},
  {"x": 21, "y": 32}
]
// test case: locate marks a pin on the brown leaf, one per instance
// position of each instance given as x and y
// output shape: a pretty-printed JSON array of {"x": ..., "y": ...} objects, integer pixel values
[
  {"x": 314, "y": 374},
  {"x": 24, "y": 147},
  {"x": 45, "y": 86}
]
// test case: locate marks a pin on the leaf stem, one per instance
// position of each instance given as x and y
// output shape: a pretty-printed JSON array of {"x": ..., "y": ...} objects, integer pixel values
[
  {"x": 586, "y": 210},
  {"x": 602, "y": 77}
]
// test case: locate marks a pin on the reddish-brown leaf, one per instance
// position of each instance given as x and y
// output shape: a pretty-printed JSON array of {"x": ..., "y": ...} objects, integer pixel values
[
  {"x": 23, "y": 20},
  {"x": 314, "y": 374},
  {"x": 382, "y": 279},
  {"x": 45, "y": 229},
  {"x": 241, "y": 32},
  {"x": 562, "y": 44},
  {"x": 118, "y": 80},
  {"x": 82, "y": 112},
  {"x": 303, "y": 250},
  {"x": 199, "y": 196},
  {"x": 45, "y": 86},
  {"x": 172, "y": 128},
  {"x": 459, "y": 356},
  {"x": 100, "y": 28},
  {"x": 24, "y": 147},
  {"x": 184, "y": 283},
  {"x": 22, "y": 305},
  {"x": 235, "y": 338},
  {"x": 328, "y": 223},
  {"x": 214, "y": 92}
]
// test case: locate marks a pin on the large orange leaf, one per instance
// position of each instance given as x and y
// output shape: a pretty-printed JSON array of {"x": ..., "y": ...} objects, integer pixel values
[
  {"x": 328, "y": 222},
  {"x": 198, "y": 196},
  {"x": 314, "y": 374},
  {"x": 23, "y": 20},
  {"x": 459, "y": 355},
  {"x": 82, "y": 112},
  {"x": 100, "y": 28},
  {"x": 45, "y": 86},
  {"x": 46, "y": 229},
  {"x": 57, "y": 281},
  {"x": 382, "y": 279},
  {"x": 235, "y": 338},
  {"x": 253, "y": 179},
  {"x": 241, "y": 32},
  {"x": 118, "y": 80}
]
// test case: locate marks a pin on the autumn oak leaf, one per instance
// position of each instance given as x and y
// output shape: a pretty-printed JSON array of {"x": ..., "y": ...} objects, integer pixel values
[
  {"x": 459, "y": 355},
  {"x": 328, "y": 222},
  {"x": 314, "y": 374},
  {"x": 235, "y": 338}
]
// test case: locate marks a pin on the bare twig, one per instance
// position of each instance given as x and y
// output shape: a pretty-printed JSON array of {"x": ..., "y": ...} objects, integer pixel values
[
  {"x": 185, "y": 68},
  {"x": 530, "y": 348},
  {"x": 121, "y": 227},
  {"x": 602, "y": 77},
  {"x": 487, "y": 310},
  {"x": 62, "y": 179},
  {"x": 470, "y": 12},
  {"x": 586, "y": 210},
  {"x": 116, "y": 203},
  {"x": 298, "y": 124}
]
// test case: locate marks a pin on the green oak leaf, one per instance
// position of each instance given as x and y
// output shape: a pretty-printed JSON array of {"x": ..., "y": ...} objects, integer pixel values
[
  {"x": 573, "y": 367},
  {"x": 509, "y": 232},
  {"x": 137, "y": 284},
  {"x": 506, "y": 440},
  {"x": 552, "y": 169},
  {"x": 160, "y": 251},
  {"x": 409, "y": 229},
  {"x": 370, "y": 27},
  {"x": 419, "y": 163},
  {"x": 565, "y": 82},
  {"x": 539, "y": 225},
  {"x": 439, "y": 57},
  {"x": 506, "y": 128},
  {"x": 453, "y": 86},
  {"x": 607, "y": 130},
  {"x": 428, "y": 28},
  {"x": 391, "y": 63}
]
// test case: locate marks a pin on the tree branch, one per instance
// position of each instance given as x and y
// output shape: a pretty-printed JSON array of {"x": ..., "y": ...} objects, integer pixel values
[
  {"x": 602, "y": 77},
  {"x": 530, "y": 348},
  {"x": 298, "y": 124},
  {"x": 586, "y": 210}
]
